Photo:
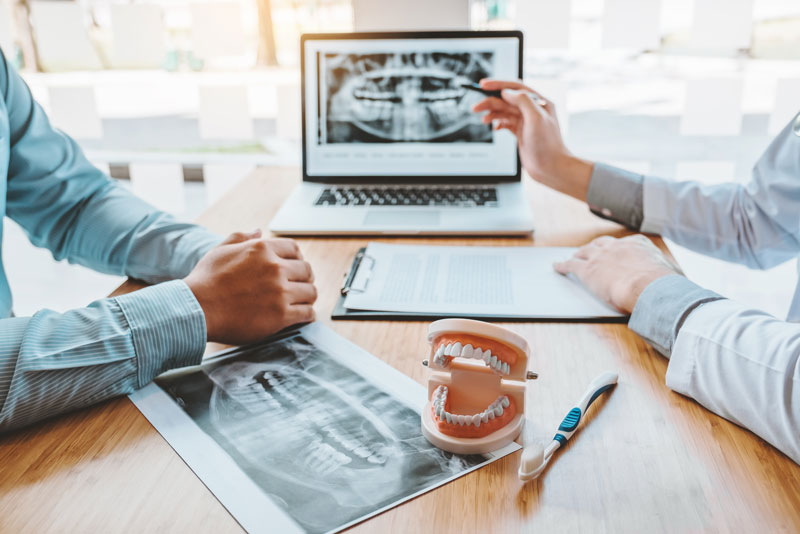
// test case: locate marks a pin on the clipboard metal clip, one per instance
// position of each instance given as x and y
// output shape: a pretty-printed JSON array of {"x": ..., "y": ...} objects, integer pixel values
[{"x": 353, "y": 277}]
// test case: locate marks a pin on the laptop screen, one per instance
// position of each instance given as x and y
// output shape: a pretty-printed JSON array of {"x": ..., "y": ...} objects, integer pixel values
[{"x": 391, "y": 105}]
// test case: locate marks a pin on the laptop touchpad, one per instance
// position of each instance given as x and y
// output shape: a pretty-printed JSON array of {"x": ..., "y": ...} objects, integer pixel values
[{"x": 402, "y": 218}]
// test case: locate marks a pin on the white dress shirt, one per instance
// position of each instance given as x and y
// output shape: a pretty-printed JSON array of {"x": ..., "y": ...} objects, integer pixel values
[{"x": 741, "y": 363}]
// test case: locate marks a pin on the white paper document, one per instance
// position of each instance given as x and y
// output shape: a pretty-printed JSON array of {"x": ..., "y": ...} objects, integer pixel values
[
  {"x": 471, "y": 281},
  {"x": 306, "y": 433}
]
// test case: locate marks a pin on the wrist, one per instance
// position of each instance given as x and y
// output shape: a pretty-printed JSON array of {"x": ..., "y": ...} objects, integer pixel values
[
  {"x": 205, "y": 305},
  {"x": 573, "y": 174},
  {"x": 639, "y": 283}
]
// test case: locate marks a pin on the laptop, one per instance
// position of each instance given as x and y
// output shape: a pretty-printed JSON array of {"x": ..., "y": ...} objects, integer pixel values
[{"x": 391, "y": 145}]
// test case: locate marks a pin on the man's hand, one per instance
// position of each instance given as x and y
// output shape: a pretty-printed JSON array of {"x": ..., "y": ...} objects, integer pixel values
[
  {"x": 251, "y": 287},
  {"x": 618, "y": 270},
  {"x": 541, "y": 148}
]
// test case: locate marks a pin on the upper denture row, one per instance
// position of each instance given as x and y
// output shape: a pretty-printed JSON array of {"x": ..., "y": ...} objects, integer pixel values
[{"x": 468, "y": 351}]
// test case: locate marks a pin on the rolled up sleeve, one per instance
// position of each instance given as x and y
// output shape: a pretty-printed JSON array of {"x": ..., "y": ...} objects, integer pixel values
[{"x": 617, "y": 195}]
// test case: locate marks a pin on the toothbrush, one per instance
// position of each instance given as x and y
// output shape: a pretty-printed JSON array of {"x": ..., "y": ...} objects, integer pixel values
[{"x": 535, "y": 456}]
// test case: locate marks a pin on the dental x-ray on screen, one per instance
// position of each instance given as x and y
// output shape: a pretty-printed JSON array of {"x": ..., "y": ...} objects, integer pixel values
[{"x": 402, "y": 97}]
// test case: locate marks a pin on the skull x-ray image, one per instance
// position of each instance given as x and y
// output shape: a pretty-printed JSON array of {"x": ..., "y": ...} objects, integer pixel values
[
  {"x": 401, "y": 97},
  {"x": 320, "y": 440}
]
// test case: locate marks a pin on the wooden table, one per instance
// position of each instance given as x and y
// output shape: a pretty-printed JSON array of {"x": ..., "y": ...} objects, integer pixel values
[{"x": 648, "y": 460}]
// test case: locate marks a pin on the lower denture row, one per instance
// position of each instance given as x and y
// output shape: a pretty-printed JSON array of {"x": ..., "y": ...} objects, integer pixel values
[{"x": 496, "y": 415}]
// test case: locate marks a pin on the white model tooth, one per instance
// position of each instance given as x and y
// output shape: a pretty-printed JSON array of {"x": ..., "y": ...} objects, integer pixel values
[
  {"x": 506, "y": 368},
  {"x": 464, "y": 420},
  {"x": 477, "y": 354},
  {"x": 440, "y": 351},
  {"x": 487, "y": 356},
  {"x": 448, "y": 417},
  {"x": 456, "y": 350},
  {"x": 505, "y": 402},
  {"x": 493, "y": 361},
  {"x": 476, "y": 419},
  {"x": 484, "y": 416},
  {"x": 467, "y": 351},
  {"x": 498, "y": 410},
  {"x": 490, "y": 412},
  {"x": 447, "y": 349}
]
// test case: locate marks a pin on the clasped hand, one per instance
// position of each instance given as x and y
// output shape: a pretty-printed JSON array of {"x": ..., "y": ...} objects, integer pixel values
[{"x": 250, "y": 287}]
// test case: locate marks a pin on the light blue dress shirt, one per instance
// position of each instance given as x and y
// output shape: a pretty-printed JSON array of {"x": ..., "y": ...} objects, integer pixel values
[
  {"x": 740, "y": 363},
  {"x": 55, "y": 362}
]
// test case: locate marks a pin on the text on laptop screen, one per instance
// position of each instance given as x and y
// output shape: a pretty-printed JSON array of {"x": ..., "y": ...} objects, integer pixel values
[{"x": 396, "y": 107}]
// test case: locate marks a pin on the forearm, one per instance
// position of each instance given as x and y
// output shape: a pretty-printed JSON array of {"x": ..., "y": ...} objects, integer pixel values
[
  {"x": 136, "y": 240},
  {"x": 739, "y": 363},
  {"x": 67, "y": 205},
  {"x": 53, "y": 363},
  {"x": 754, "y": 225}
]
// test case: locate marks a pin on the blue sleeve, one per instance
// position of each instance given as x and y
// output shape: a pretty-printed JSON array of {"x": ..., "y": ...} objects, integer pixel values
[
  {"x": 53, "y": 363},
  {"x": 662, "y": 308},
  {"x": 67, "y": 205}
]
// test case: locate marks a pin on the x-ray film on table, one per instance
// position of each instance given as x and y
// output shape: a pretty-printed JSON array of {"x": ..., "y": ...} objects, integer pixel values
[{"x": 307, "y": 433}]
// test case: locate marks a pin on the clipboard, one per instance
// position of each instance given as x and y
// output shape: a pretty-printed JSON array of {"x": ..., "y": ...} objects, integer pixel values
[{"x": 363, "y": 260}]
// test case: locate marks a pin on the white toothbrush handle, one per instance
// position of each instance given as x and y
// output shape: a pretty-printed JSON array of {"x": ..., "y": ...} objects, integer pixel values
[{"x": 570, "y": 423}]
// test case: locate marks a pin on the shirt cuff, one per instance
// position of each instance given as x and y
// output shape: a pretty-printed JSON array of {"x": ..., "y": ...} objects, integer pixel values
[
  {"x": 662, "y": 308},
  {"x": 616, "y": 194},
  {"x": 168, "y": 328},
  {"x": 188, "y": 250}
]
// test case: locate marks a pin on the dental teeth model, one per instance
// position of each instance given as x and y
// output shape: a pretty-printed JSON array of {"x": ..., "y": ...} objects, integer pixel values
[{"x": 476, "y": 388}]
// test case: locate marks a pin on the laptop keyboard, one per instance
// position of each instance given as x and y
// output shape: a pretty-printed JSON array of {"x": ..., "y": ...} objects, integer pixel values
[{"x": 460, "y": 196}]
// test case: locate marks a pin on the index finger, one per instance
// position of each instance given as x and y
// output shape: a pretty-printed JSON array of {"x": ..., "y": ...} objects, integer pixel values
[
  {"x": 495, "y": 104},
  {"x": 285, "y": 248},
  {"x": 573, "y": 265},
  {"x": 493, "y": 85}
]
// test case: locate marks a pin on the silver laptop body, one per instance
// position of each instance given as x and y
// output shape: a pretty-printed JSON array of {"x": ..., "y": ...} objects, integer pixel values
[{"x": 390, "y": 144}]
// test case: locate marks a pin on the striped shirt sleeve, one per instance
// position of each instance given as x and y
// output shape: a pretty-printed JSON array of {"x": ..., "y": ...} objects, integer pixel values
[{"x": 53, "y": 363}]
